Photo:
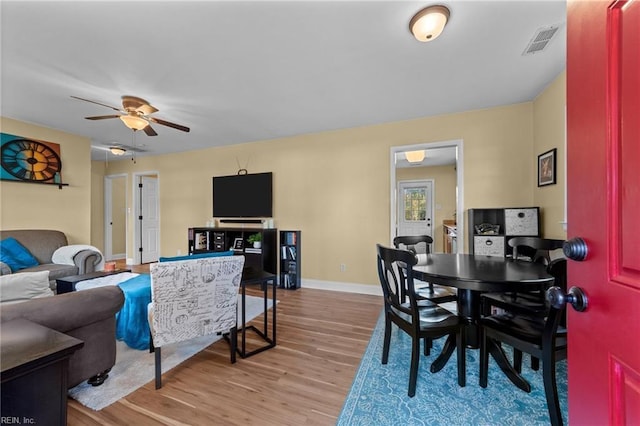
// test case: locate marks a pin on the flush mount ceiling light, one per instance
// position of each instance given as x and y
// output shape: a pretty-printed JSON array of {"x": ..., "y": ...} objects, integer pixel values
[
  {"x": 414, "y": 156},
  {"x": 134, "y": 122},
  {"x": 115, "y": 150},
  {"x": 427, "y": 24}
]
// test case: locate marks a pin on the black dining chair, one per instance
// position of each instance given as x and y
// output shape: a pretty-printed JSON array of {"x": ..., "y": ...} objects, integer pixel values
[
  {"x": 527, "y": 328},
  {"x": 531, "y": 249},
  {"x": 424, "y": 320},
  {"x": 422, "y": 244},
  {"x": 534, "y": 249}
]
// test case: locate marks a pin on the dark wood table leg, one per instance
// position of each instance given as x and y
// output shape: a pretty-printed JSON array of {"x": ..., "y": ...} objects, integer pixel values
[
  {"x": 501, "y": 359},
  {"x": 469, "y": 309},
  {"x": 447, "y": 351}
]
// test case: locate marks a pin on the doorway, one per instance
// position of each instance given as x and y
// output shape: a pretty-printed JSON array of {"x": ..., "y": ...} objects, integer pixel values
[
  {"x": 115, "y": 217},
  {"x": 147, "y": 217},
  {"x": 415, "y": 207},
  {"x": 444, "y": 159}
]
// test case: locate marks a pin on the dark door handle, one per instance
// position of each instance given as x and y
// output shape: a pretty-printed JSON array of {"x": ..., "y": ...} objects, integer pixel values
[
  {"x": 575, "y": 249},
  {"x": 575, "y": 297}
]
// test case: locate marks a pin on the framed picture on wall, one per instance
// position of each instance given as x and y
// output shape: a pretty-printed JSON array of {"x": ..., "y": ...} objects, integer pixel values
[
  {"x": 547, "y": 168},
  {"x": 30, "y": 160}
]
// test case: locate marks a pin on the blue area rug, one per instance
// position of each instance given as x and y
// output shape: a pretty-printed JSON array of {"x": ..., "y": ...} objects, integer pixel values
[{"x": 378, "y": 395}]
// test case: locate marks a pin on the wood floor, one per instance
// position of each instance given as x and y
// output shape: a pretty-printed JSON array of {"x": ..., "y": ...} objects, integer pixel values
[{"x": 321, "y": 337}]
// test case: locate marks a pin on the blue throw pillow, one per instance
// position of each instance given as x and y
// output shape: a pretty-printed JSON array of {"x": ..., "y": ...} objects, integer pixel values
[
  {"x": 196, "y": 256},
  {"x": 15, "y": 255}
]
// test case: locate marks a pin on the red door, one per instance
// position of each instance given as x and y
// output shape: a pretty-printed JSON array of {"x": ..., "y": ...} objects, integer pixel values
[{"x": 603, "y": 177}]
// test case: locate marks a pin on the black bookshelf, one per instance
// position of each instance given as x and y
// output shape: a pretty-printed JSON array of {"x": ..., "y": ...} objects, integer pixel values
[{"x": 290, "y": 277}]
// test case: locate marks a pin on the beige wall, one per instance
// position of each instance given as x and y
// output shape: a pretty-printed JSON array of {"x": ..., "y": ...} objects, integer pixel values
[
  {"x": 549, "y": 133},
  {"x": 322, "y": 183},
  {"x": 119, "y": 216},
  {"x": 97, "y": 204},
  {"x": 444, "y": 182},
  {"x": 33, "y": 206},
  {"x": 340, "y": 201}
]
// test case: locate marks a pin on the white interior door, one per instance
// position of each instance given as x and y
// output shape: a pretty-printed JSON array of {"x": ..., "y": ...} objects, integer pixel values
[
  {"x": 415, "y": 207},
  {"x": 149, "y": 219},
  {"x": 115, "y": 217}
]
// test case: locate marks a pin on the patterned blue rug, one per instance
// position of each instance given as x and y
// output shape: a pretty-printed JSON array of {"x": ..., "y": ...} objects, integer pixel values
[{"x": 378, "y": 395}]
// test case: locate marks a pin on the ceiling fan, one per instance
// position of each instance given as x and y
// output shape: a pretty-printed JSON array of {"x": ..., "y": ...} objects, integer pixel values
[
  {"x": 119, "y": 149},
  {"x": 135, "y": 114}
]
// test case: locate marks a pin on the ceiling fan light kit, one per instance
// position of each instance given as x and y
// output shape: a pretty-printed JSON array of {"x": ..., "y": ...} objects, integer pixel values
[
  {"x": 428, "y": 23},
  {"x": 115, "y": 150},
  {"x": 134, "y": 122}
]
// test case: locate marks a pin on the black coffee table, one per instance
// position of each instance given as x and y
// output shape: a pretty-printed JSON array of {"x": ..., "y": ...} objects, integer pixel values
[{"x": 68, "y": 284}]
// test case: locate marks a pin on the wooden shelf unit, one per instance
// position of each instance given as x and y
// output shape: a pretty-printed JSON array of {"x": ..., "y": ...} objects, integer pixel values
[
  {"x": 512, "y": 222},
  {"x": 290, "y": 260}
]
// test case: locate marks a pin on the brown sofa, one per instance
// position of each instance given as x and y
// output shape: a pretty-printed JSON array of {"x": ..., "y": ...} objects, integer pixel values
[
  {"x": 86, "y": 315},
  {"x": 42, "y": 244}
]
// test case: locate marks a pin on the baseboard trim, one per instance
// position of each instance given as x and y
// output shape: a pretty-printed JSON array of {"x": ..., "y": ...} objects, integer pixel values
[{"x": 374, "y": 290}]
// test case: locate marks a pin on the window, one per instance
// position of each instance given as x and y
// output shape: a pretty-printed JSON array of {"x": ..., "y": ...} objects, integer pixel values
[{"x": 415, "y": 204}]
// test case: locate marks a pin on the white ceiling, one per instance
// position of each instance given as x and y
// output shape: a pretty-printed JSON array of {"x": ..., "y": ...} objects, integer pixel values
[{"x": 236, "y": 71}]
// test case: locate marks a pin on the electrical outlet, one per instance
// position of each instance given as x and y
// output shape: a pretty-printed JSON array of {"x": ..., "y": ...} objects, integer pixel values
[
  {"x": 179, "y": 252},
  {"x": 343, "y": 267}
]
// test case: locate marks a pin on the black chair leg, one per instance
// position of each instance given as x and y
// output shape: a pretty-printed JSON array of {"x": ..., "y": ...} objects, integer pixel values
[
  {"x": 484, "y": 359},
  {"x": 535, "y": 363},
  {"x": 550, "y": 388},
  {"x": 387, "y": 341},
  {"x": 517, "y": 360},
  {"x": 428, "y": 344},
  {"x": 462, "y": 358},
  {"x": 415, "y": 361},
  {"x": 158, "y": 368}
]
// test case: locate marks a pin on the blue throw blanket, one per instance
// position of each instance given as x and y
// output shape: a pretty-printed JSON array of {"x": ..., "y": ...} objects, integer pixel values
[{"x": 132, "y": 324}]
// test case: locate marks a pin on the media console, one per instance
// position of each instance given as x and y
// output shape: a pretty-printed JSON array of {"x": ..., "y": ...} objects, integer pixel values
[{"x": 265, "y": 258}]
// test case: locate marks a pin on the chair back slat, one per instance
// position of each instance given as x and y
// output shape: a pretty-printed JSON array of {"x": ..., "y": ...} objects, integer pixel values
[
  {"x": 395, "y": 270},
  {"x": 414, "y": 243},
  {"x": 537, "y": 249},
  {"x": 558, "y": 270}
]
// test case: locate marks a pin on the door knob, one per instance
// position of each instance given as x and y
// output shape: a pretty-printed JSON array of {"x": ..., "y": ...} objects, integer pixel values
[
  {"x": 575, "y": 297},
  {"x": 575, "y": 249}
]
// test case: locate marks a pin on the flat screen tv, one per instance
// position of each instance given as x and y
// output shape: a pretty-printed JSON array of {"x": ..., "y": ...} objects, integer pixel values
[{"x": 248, "y": 195}]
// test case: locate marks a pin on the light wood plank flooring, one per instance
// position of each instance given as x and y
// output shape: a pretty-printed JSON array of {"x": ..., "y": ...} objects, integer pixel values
[{"x": 321, "y": 337}]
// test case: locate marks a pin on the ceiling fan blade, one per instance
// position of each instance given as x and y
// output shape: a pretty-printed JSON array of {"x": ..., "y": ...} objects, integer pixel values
[
  {"x": 169, "y": 124},
  {"x": 97, "y": 103},
  {"x": 149, "y": 131},
  {"x": 102, "y": 117}
]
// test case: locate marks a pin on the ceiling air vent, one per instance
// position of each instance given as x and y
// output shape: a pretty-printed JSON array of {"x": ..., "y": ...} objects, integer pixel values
[{"x": 540, "y": 39}]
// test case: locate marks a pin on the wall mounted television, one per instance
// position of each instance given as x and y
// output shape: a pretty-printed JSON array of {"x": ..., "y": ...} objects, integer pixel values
[{"x": 243, "y": 195}]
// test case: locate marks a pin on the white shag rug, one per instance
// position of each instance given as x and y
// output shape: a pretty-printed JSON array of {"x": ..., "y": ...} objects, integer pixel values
[{"x": 135, "y": 368}]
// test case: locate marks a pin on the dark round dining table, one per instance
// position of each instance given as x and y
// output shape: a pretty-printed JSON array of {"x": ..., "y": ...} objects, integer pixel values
[{"x": 473, "y": 275}]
